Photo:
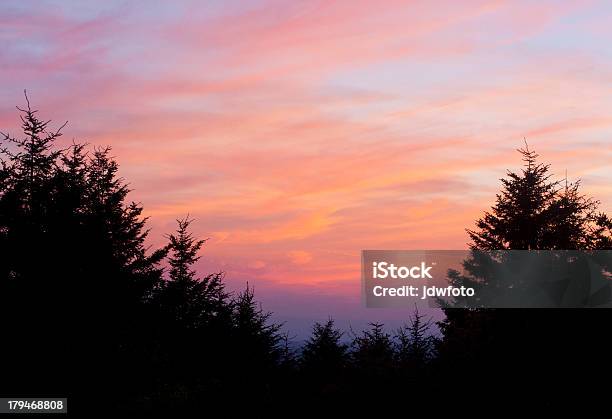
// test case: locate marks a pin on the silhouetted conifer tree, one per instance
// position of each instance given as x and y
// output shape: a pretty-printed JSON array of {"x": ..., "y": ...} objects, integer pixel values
[
  {"x": 75, "y": 271},
  {"x": 546, "y": 346},
  {"x": 256, "y": 351},
  {"x": 253, "y": 328},
  {"x": 325, "y": 367},
  {"x": 193, "y": 327},
  {"x": 196, "y": 302},
  {"x": 27, "y": 286},
  {"x": 521, "y": 213},
  {"x": 372, "y": 351},
  {"x": 534, "y": 212},
  {"x": 324, "y": 354},
  {"x": 415, "y": 343}
]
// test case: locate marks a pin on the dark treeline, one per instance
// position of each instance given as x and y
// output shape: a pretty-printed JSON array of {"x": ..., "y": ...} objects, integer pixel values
[{"x": 89, "y": 312}]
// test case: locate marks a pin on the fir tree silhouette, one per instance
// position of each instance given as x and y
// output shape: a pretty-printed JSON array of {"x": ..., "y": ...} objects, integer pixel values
[
  {"x": 325, "y": 366},
  {"x": 324, "y": 353},
  {"x": 75, "y": 269},
  {"x": 415, "y": 345},
  {"x": 193, "y": 321},
  {"x": 532, "y": 212},
  {"x": 257, "y": 352},
  {"x": 372, "y": 351}
]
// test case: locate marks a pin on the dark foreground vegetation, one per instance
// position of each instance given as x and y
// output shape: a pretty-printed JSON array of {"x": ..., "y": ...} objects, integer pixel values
[{"x": 87, "y": 311}]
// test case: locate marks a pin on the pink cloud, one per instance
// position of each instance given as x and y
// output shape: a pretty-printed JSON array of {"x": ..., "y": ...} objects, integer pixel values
[
  {"x": 303, "y": 131},
  {"x": 299, "y": 257}
]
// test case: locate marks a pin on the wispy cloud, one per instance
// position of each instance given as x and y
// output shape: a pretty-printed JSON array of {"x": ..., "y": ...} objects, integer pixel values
[{"x": 298, "y": 133}]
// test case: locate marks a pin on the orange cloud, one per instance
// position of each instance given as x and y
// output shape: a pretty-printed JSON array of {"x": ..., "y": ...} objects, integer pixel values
[
  {"x": 299, "y": 257},
  {"x": 301, "y": 131}
]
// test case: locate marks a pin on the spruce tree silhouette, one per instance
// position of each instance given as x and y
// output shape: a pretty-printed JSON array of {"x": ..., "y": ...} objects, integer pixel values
[
  {"x": 551, "y": 347},
  {"x": 372, "y": 352},
  {"x": 28, "y": 165},
  {"x": 75, "y": 271},
  {"x": 415, "y": 345},
  {"x": 324, "y": 354},
  {"x": 324, "y": 365},
  {"x": 533, "y": 212},
  {"x": 373, "y": 367},
  {"x": 257, "y": 351},
  {"x": 191, "y": 302},
  {"x": 193, "y": 327}
]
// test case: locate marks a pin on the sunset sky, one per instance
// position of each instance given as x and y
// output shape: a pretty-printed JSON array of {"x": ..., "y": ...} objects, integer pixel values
[{"x": 297, "y": 133}]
